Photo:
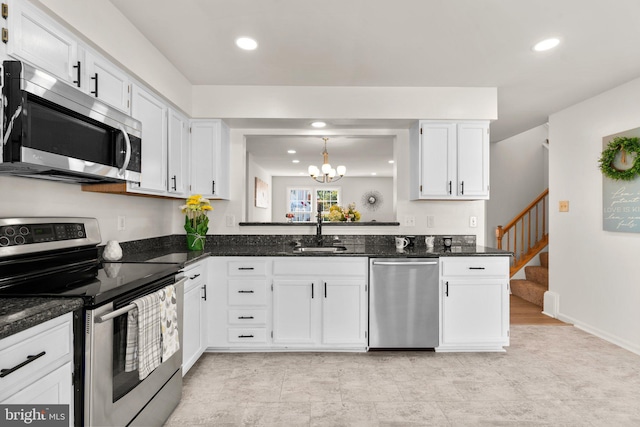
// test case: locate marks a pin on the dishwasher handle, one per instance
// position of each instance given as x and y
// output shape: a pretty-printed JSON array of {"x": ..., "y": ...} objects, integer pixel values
[{"x": 407, "y": 263}]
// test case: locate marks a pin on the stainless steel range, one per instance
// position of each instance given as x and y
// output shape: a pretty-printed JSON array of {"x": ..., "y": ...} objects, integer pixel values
[{"x": 59, "y": 257}]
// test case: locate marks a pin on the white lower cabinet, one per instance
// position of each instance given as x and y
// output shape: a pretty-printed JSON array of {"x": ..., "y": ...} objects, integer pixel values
[
  {"x": 194, "y": 335},
  {"x": 47, "y": 377},
  {"x": 317, "y": 303},
  {"x": 474, "y": 309},
  {"x": 325, "y": 308}
]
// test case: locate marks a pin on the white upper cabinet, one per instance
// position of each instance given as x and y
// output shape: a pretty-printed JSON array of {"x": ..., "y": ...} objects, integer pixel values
[
  {"x": 210, "y": 158},
  {"x": 106, "y": 82},
  {"x": 178, "y": 148},
  {"x": 449, "y": 160},
  {"x": 152, "y": 113},
  {"x": 37, "y": 39}
]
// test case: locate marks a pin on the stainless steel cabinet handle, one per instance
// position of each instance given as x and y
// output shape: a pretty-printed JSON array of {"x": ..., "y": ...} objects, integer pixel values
[
  {"x": 175, "y": 183},
  {"x": 408, "y": 263},
  {"x": 5, "y": 372},
  {"x": 204, "y": 288}
]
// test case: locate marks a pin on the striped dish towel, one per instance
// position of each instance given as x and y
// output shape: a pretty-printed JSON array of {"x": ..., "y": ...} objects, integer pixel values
[
  {"x": 131, "y": 349},
  {"x": 169, "y": 321},
  {"x": 149, "y": 344}
]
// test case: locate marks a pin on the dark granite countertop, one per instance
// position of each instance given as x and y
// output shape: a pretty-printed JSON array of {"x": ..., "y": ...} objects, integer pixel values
[{"x": 18, "y": 314}]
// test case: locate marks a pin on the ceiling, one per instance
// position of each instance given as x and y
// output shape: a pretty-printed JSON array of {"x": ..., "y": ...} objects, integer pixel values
[{"x": 466, "y": 43}]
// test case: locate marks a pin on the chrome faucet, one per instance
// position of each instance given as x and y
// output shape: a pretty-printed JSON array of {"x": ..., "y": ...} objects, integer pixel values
[{"x": 319, "y": 226}]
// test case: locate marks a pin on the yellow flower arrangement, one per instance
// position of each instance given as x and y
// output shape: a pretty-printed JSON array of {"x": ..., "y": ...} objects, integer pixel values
[
  {"x": 196, "y": 222},
  {"x": 338, "y": 213}
]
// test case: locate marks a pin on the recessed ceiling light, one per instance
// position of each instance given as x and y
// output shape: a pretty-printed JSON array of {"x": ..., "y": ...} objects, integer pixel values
[
  {"x": 546, "y": 44},
  {"x": 391, "y": 162},
  {"x": 291, "y": 151},
  {"x": 295, "y": 161},
  {"x": 318, "y": 124},
  {"x": 246, "y": 43}
]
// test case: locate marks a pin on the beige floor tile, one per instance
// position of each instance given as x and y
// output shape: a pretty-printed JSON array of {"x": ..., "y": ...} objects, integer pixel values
[
  {"x": 343, "y": 414},
  {"x": 410, "y": 413},
  {"x": 277, "y": 414}
]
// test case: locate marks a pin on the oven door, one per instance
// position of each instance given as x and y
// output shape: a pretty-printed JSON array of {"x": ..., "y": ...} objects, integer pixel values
[{"x": 113, "y": 397}]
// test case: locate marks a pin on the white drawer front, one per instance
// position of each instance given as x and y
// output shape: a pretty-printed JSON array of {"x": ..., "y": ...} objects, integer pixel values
[
  {"x": 247, "y": 268},
  {"x": 334, "y": 266},
  {"x": 247, "y": 292},
  {"x": 195, "y": 272},
  {"x": 52, "y": 337},
  {"x": 247, "y": 335},
  {"x": 475, "y": 266},
  {"x": 247, "y": 317}
]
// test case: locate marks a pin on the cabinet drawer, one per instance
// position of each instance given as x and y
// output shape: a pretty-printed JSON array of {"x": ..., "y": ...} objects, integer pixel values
[
  {"x": 53, "y": 338},
  {"x": 247, "y": 268},
  {"x": 195, "y": 272},
  {"x": 247, "y": 292},
  {"x": 247, "y": 335},
  {"x": 475, "y": 266},
  {"x": 247, "y": 317}
]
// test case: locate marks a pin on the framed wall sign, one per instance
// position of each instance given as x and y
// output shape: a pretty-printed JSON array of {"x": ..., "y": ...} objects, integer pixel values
[{"x": 621, "y": 199}]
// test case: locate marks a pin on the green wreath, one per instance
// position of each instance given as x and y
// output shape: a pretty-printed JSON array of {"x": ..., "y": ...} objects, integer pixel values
[{"x": 624, "y": 145}]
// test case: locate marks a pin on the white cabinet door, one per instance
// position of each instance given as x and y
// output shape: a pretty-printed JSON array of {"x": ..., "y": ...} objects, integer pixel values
[
  {"x": 344, "y": 312},
  {"x": 152, "y": 112},
  {"x": 53, "y": 388},
  {"x": 438, "y": 158},
  {"x": 473, "y": 160},
  {"x": 294, "y": 311},
  {"x": 178, "y": 134},
  {"x": 194, "y": 323},
  {"x": 449, "y": 160},
  {"x": 106, "y": 82},
  {"x": 37, "y": 39},
  {"x": 473, "y": 311},
  {"x": 210, "y": 158}
]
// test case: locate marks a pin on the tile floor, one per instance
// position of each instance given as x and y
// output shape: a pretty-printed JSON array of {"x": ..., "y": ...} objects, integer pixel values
[{"x": 555, "y": 376}]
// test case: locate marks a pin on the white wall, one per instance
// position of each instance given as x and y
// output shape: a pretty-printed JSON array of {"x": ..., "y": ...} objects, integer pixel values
[
  {"x": 593, "y": 272},
  {"x": 517, "y": 176},
  {"x": 254, "y": 171},
  {"x": 144, "y": 217},
  {"x": 351, "y": 190}
]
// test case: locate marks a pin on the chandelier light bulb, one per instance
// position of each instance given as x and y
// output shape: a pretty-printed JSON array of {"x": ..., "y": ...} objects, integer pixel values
[
  {"x": 332, "y": 173},
  {"x": 341, "y": 170},
  {"x": 313, "y": 171},
  {"x": 326, "y": 168}
]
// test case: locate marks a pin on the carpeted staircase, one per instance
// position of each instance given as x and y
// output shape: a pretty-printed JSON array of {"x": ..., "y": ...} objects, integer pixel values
[{"x": 532, "y": 288}]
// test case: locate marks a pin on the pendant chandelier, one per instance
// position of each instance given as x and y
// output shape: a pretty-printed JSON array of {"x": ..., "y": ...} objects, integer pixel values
[{"x": 326, "y": 173}]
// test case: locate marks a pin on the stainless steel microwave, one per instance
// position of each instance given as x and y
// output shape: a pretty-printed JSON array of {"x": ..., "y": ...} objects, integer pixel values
[{"x": 54, "y": 131}]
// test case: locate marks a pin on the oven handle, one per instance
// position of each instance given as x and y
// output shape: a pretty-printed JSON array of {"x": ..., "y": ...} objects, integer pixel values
[{"x": 127, "y": 308}]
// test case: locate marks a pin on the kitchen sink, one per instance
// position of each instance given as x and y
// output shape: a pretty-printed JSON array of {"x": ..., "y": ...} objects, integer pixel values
[{"x": 321, "y": 249}]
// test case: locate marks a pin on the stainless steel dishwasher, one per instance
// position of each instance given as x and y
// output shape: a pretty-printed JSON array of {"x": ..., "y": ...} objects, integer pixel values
[{"x": 403, "y": 303}]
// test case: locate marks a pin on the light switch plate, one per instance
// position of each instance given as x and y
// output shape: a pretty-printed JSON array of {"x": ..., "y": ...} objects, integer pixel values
[
  {"x": 473, "y": 221},
  {"x": 409, "y": 221},
  {"x": 564, "y": 206},
  {"x": 121, "y": 223},
  {"x": 431, "y": 221},
  {"x": 230, "y": 220}
]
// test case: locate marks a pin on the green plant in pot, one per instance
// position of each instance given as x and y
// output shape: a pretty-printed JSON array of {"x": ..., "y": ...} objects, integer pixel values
[{"x": 196, "y": 222}]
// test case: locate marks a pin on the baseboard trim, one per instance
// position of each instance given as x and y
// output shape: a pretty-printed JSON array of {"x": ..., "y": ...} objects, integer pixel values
[{"x": 613, "y": 339}]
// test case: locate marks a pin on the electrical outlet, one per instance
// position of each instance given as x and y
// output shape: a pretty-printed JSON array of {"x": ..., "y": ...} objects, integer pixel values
[
  {"x": 121, "y": 223},
  {"x": 473, "y": 221},
  {"x": 230, "y": 220},
  {"x": 431, "y": 221},
  {"x": 564, "y": 206},
  {"x": 409, "y": 221}
]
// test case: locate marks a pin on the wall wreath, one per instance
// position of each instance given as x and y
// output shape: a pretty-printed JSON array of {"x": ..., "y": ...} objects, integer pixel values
[{"x": 626, "y": 146}]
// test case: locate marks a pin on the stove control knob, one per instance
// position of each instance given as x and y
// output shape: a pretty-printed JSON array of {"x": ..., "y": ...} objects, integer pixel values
[
  {"x": 9, "y": 231},
  {"x": 19, "y": 240},
  {"x": 24, "y": 230},
  {"x": 4, "y": 241}
]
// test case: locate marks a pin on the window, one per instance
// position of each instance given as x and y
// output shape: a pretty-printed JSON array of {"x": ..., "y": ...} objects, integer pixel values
[{"x": 302, "y": 202}]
